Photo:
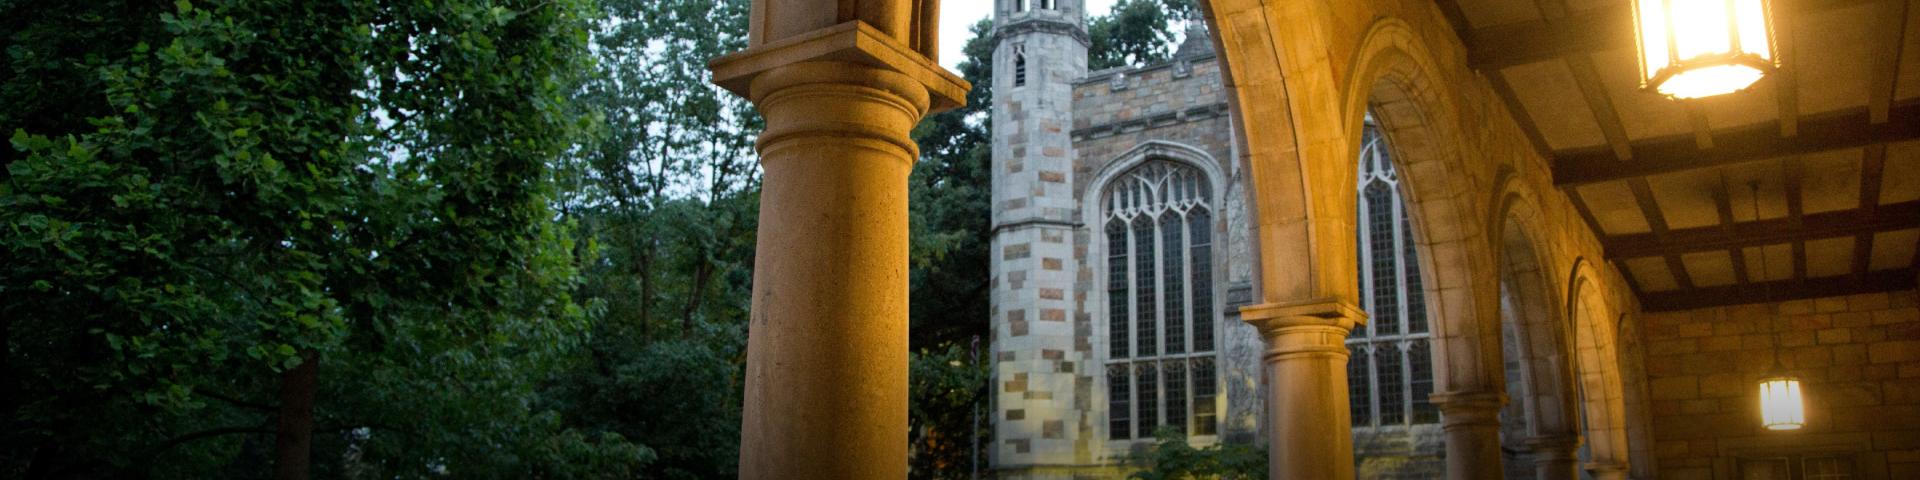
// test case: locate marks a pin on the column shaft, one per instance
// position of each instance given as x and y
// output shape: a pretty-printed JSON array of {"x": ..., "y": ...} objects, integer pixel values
[
  {"x": 1309, "y": 427},
  {"x": 826, "y": 387},
  {"x": 1472, "y": 424}
]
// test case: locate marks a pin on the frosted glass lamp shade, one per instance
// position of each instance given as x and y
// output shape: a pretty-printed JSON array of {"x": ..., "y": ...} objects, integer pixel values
[{"x": 1701, "y": 48}]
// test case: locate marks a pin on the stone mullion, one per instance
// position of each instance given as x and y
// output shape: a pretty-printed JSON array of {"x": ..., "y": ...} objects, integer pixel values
[
  {"x": 1133, "y": 329},
  {"x": 1186, "y": 282},
  {"x": 1400, "y": 240},
  {"x": 1366, "y": 302}
]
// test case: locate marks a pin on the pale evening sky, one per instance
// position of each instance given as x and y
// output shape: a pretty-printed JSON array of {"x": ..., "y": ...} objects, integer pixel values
[{"x": 957, "y": 15}]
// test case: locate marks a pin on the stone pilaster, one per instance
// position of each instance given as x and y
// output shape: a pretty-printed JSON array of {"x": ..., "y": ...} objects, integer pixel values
[
  {"x": 1472, "y": 424},
  {"x": 826, "y": 386},
  {"x": 1309, "y": 426},
  {"x": 1554, "y": 457}
]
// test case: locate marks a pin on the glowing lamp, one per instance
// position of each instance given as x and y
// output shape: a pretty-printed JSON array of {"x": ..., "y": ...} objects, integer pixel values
[
  {"x": 1780, "y": 405},
  {"x": 1701, "y": 48}
]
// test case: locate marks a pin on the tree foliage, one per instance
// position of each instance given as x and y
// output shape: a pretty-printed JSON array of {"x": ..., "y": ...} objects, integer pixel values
[
  {"x": 202, "y": 195},
  {"x": 511, "y": 238},
  {"x": 1172, "y": 458},
  {"x": 1136, "y": 32}
]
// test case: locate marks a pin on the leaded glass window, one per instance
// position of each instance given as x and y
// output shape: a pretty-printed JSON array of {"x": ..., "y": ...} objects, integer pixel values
[
  {"x": 1390, "y": 370},
  {"x": 1158, "y": 231}
]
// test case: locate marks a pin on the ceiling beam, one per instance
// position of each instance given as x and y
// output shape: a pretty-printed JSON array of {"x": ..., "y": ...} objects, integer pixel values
[
  {"x": 1723, "y": 204},
  {"x": 1601, "y": 105},
  {"x": 1594, "y": 30},
  {"x": 1777, "y": 291},
  {"x": 1520, "y": 115},
  {"x": 1752, "y": 142},
  {"x": 1873, "y": 165},
  {"x": 1795, "y": 170},
  {"x": 1899, "y": 216},
  {"x": 1889, "y": 32},
  {"x": 1702, "y": 127}
]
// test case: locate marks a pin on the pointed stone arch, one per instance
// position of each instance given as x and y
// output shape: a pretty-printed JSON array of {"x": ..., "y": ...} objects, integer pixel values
[
  {"x": 1596, "y": 366},
  {"x": 1533, "y": 329}
]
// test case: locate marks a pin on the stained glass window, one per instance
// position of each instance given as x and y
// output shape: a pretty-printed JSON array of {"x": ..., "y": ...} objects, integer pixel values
[
  {"x": 1158, "y": 221},
  {"x": 1390, "y": 370}
]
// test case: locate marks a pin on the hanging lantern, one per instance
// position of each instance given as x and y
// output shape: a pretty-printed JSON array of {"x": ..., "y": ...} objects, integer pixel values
[
  {"x": 1702, "y": 48},
  {"x": 1781, "y": 407}
]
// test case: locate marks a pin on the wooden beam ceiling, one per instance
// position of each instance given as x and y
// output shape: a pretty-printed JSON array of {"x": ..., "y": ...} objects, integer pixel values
[
  {"x": 1753, "y": 142},
  {"x": 1598, "y": 29},
  {"x": 1899, "y": 216},
  {"x": 1775, "y": 291},
  {"x": 1572, "y": 37}
]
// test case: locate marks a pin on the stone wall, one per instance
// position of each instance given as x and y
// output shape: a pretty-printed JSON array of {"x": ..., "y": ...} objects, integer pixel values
[
  {"x": 1041, "y": 388},
  {"x": 1858, "y": 358}
]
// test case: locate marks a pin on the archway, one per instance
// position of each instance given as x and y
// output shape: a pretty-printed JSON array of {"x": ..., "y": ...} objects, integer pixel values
[
  {"x": 1538, "y": 427},
  {"x": 1597, "y": 373},
  {"x": 1298, "y": 152}
]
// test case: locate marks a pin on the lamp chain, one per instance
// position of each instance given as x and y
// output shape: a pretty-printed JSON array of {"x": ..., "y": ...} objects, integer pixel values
[{"x": 1764, "y": 273}]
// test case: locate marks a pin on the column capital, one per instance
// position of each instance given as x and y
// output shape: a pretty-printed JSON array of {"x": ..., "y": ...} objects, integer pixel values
[
  {"x": 852, "y": 42},
  {"x": 1314, "y": 327},
  {"x": 1323, "y": 312},
  {"x": 1469, "y": 408}
]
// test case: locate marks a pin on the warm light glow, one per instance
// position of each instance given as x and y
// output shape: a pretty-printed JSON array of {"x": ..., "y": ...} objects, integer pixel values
[
  {"x": 1781, "y": 407},
  {"x": 1710, "y": 81},
  {"x": 1702, "y": 48}
]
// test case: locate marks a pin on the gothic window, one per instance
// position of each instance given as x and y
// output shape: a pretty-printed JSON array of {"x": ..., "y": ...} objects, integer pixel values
[
  {"x": 1390, "y": 370},
  {"x": 1158, "y": 229},
  {"x": 1046, "y": 4},
  {"x": 1019, "y": 66},
  {"x": 1019, "y": 5}
]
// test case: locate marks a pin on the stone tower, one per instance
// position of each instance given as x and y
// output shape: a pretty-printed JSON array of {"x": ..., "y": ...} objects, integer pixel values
[{"x": 1041, "y": 401}]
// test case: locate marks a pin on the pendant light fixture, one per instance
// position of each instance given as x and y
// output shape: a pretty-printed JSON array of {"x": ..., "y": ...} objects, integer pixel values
[
  {"x": 1781, "y": 405},
  {"x": 1701, "y": 48}
]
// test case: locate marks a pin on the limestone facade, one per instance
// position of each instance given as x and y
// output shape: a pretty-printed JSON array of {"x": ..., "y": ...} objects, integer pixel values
[{"x": 1062, "y": 136}]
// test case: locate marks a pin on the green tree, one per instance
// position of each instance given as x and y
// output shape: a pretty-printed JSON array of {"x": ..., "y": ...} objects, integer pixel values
[
  {"x": 949, "y": 195},
  {"x": 313, "y": 235},
  {"x": 665, "y": 190},
  {"x": 1136, "y": 32},
  {"x": 949, "y": 199}
]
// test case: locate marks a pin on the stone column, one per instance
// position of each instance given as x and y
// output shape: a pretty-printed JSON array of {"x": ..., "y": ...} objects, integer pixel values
[
  {"x": 826, "y": 385},
  {"x": 1554, "y": 457},
  {"x": 1607, "y": 470},
  {"x": 1309, "y": 426},
  {"x": 1472, "y": 424}
]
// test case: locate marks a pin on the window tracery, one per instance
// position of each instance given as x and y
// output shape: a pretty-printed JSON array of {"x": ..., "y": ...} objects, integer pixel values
[
  {"x": 1390, "y": 370},
  {"x": 1157, "y": 226}
]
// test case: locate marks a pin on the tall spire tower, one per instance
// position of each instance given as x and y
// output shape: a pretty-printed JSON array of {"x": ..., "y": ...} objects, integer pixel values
[{"x": 1042, "y": 390}]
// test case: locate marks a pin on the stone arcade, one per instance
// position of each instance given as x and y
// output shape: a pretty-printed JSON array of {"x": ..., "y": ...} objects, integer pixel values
[{"x": 1565, "y": 266}]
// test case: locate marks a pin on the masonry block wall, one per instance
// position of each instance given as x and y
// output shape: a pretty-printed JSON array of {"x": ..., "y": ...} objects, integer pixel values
[
  {"x": 1040, "y": 392},
  {"x": 1858, "y": 357},
  {"x": 1052, "y": 140},
  {"x": 1183, "y": 102}
]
